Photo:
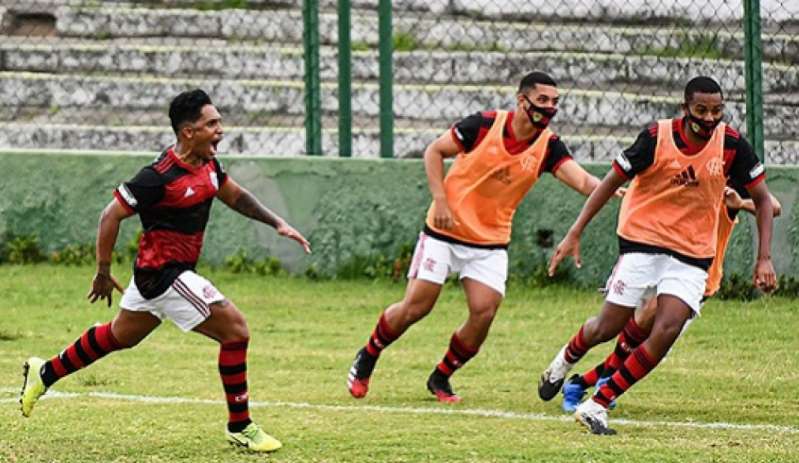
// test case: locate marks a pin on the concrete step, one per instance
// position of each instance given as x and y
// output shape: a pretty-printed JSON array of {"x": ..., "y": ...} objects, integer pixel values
[
  {"x": 439, "y": 104},
  {"x": 439, "y": 67},
  {"x": 730, "y": 13},
  {"x": 278, "y": 141},
  {"x": 422, "y": 30}
]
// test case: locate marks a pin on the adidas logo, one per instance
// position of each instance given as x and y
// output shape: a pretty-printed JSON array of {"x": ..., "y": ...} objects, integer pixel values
[
  {"x": 189, "y": 192},
  {"x": 686, "y": 178}
]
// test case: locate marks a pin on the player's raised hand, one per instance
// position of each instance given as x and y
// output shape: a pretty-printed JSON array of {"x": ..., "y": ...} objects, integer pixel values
[
  {"x": 103, "y": 286},
  {"x": 570, "y": 246},
  {"x": 284, "y": 229},
  {"x": 442, "y": 215},
  {"x": 765, "y": 277}
]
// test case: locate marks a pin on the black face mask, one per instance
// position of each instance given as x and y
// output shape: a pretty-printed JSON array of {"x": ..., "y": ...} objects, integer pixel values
[
  {"x": 539, "y": 116},
  {"x": 701, "y": 128}
]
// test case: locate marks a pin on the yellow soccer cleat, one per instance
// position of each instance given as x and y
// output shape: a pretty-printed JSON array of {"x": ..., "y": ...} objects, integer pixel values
[
  {"x": 254, "y": 439},
  {"x": 32, "y": 387}
]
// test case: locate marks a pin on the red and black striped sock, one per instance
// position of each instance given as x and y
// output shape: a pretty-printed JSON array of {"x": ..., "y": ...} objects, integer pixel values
[
  {"x": 631, "y": 337},
  {"x": 381, "y": 337},
  {"x": 457, "y": 355},
  {"x": 589, "y": 378},
  {"x": 637, "y": 365},
  {"x": 576, "y": 348},
  {"x": 233, "y": 369},
  {"x": 94, "y": 343}
]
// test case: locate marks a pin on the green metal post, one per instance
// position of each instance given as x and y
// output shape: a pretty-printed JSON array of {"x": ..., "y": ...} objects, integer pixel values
[
  {"x": 313, "y": 96},
  {"x": 344, "y": 79},
  {"x": 386, "y": 80},
  {"x": 753, "y": 55}
]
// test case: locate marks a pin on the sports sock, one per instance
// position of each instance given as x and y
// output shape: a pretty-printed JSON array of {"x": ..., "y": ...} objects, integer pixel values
[
  {"x": 93, "y": 344},
  {"x": 382, "y": 336},
  {"x": 233, "y": 370},
  {"x": 457, "y": 355}
]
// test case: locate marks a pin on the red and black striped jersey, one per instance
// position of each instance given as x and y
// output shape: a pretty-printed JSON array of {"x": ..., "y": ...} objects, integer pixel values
[
  {"x": 741, "y": 164},
  {"x": 173, "y": 200},
  {"x": 471, "y": 130}
]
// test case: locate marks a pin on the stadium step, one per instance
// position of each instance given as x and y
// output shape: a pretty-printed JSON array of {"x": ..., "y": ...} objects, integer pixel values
[
  {"x": 437, "y": 67},
  {"x": 458, "y": 30},
  {"x": 440, "y": 104}
]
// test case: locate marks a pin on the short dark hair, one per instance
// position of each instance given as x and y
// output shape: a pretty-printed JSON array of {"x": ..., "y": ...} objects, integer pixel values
[
  {"x": 701, "y": 84},
  {"x": 187, "y": 107},
  {"x": 536, "y": 77}
]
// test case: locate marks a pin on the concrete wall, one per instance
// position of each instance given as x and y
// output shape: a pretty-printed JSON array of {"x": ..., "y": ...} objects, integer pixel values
[{"x": 345, "y": 207}]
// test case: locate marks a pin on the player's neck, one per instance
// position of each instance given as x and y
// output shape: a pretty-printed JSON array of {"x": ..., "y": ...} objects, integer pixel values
[
  {"x": 187, "y": 155},
  {"x": 521, "y": 128}
]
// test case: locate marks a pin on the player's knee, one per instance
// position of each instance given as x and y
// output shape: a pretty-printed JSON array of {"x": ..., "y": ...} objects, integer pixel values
[
  {"x": 485, "y": 315},
  {"x": 236, "y": 329}
]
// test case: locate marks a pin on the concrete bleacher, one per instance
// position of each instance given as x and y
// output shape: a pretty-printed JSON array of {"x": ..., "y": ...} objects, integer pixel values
[{"x": 102, "y": 76}]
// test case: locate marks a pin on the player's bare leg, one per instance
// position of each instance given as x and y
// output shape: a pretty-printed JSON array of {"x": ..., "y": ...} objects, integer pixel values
[
  {"x": 610, "y": 321},
  {"x": 634, "y": 333},
  {"x": 672, "y": 314},
  {"x": 227, "y": 325},
  {"x": 483, "y": 302},
  {"x": 126, "y": 330},
  {"x": 420, "y": 297}
]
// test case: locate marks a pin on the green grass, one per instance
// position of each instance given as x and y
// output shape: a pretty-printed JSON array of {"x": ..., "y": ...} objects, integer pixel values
[{"x": 737, "y": 364}]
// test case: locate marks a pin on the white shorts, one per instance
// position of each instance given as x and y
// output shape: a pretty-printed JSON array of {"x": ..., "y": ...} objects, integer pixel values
[
  {"x": 434, "y": 259},
  {"x": 186, "y": 302},
  {"x": 638, "y": 277}
]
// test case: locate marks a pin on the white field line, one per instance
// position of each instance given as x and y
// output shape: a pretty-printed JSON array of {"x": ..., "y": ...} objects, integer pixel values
[{"x": 484, "y": 413}]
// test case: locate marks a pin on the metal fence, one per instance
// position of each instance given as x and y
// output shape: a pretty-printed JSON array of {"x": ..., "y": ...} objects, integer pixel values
[{"x": 375, "y": 77}]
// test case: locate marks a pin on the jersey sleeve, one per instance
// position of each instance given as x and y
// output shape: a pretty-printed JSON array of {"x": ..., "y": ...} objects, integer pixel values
[
  {"x": 221, "y": 174},
  {"x": 746, "y": 169},
  {"x": 145, "y": 190},
  {"x": 557, "y": 154},
  {"x": 639, "y": 156},
  {"x": 466, "y": 132}
]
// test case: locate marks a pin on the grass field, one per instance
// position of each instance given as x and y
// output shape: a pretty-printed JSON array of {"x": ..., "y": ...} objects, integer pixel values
[{"x": 736, "y": 367}]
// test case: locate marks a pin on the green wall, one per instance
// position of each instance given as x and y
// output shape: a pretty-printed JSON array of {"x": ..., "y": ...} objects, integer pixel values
[{"x": 345, "y": 207}]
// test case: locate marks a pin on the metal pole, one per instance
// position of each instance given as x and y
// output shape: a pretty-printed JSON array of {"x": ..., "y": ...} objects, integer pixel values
[
  {"x": 313, "y": 98},
  {"x": 344, "y": 79},
  {"x": 386, "y": 81},
  {"x": 753, "y": 55}
]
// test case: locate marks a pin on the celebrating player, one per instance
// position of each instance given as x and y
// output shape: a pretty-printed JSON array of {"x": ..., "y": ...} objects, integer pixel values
[
  {"x": 667, "y": 237},
  {"x": 500, "y": 156},
  {"x": 173, "y": 198},
  {"x": 640, "y": 324}
]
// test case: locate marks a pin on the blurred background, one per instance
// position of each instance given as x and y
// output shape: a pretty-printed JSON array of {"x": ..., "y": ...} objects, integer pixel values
[{"x": 369, "y": 78}]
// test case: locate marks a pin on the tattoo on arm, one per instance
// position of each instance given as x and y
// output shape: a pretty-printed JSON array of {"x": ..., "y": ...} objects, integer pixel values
[{"x": 248, "y": 205}]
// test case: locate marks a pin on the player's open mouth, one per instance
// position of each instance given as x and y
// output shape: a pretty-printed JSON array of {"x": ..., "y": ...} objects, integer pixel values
[{"x": 215, "y": 146}]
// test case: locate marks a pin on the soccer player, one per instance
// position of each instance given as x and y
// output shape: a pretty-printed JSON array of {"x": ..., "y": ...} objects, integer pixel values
[
  {"x": 173, "y": 198},
  {"x": 640, "y": 324},
  {"x": 667, "y": 237},
  {"x": 500, "y": 156}
]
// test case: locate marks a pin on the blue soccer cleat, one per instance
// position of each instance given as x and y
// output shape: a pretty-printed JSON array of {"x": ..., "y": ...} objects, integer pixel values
[{"x": 573, "y": 394}]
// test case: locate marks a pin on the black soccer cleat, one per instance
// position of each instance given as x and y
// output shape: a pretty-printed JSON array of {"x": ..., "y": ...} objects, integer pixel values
[
  {"x": 360, "y": 372},
  {"x": 438, "y": 385},
  {"x": 548, "y": 389}
]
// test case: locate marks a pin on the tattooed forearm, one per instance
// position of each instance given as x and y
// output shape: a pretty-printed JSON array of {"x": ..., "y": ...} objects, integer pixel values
[{"x": 248, "y": 205}]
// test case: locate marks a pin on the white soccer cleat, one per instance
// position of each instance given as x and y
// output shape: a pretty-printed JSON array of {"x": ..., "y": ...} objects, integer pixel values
[
  {"x": 594, "y": 417},
  {"x": 552, "y": 379}
]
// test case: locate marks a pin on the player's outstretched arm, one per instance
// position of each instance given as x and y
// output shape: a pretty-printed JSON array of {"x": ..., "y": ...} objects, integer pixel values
[
  {"x": 104, "y": 283},
  {"x": 570, "y": 246},
  {"x": 734, "y": 201},
  {"x": 765, "y": 277},
  {"x": 246, "y": 204},
  {"x": 443, "y": 147}
]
